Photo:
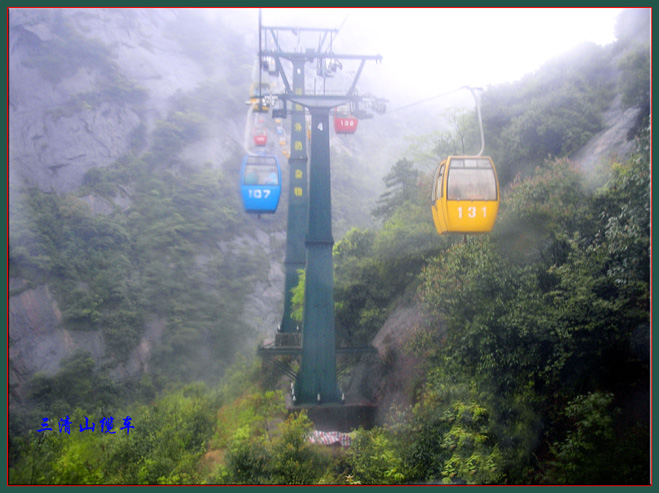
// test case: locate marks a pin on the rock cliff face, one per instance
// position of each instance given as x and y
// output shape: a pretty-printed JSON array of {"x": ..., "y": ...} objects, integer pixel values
[
  {"x": 37, "y": 339},
  {"x": 612, "y": 142},
  {"x": 63, "y": 118},
  {"x": 52, "y": 149},
  {"x": 40, "y": 343},
  {"x": 120, "y": 75}
]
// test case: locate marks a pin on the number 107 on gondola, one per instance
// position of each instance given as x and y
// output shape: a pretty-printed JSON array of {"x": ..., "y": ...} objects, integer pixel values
[{"x": 260, "y": 183}]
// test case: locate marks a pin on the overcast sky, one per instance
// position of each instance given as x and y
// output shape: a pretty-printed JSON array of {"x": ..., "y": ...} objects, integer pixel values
[{"x": 427, "y": 51}]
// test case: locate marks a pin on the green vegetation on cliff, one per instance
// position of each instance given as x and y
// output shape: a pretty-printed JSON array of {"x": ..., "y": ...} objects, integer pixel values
[{"x": 534, "y": 348}]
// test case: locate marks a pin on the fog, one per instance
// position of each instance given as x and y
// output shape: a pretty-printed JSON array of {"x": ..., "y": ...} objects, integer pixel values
[{"x": 431, "y": 51}]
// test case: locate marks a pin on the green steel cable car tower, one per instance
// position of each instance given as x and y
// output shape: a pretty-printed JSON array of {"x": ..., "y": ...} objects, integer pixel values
[
  {"x": 316, "y": 382},
  {"x": 298, "y": 179}
]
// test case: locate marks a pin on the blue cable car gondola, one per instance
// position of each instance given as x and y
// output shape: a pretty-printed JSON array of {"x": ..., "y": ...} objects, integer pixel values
[{"x": 260, "y": 183}]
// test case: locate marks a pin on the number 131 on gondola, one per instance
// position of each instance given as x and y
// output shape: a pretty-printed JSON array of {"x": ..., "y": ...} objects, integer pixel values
[{"x": 465, "y": 195}]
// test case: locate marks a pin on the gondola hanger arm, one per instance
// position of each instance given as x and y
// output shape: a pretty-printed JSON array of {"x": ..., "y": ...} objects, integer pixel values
[{"x": 478, "y": 111}]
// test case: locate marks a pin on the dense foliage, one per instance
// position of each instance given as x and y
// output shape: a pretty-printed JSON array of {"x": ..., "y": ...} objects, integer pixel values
[
  {"x": 535, "y": 343},
  {"x": 634, "y": 37},
  {"x": 153, "y": 264},
  {"x": 538, "y": 339},
  {"x": 113, "y": 272},
  {"x": 552, "y": 112},
  {"x": 555, "y": 328}
]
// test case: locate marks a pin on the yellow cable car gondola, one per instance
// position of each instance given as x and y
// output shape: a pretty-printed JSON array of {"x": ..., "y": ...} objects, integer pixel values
[
  {"x": 260, "y": 96},
  {"x": 465, "y": 195},
  {"x": 465, "y": 191}
]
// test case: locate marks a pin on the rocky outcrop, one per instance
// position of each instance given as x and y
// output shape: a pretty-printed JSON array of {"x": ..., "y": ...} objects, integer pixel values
[
  {"x": 63, "y": 122},
  {"x": 37, "y": 340},
  {"x": 389, "y": 377},
  {"x": 612, "y": 142},
  {"x": 138, "y": 361},
  {"x": 264, "y": 305},
  {"x": 56, "y": 135}
]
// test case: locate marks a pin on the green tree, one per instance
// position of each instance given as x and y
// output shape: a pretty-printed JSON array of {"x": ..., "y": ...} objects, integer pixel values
[
  {"x": 33, "y": 453},
  {"x": 463, "y": 137},
  {"x": 450, "y": 436},
  {"x": 286, "y": 457},
  {"x": 551, "y": 112},
  {"x": 294, "y": 459},
  {"x": 401, "y": 184},
  {"x": 169, "y": 438},
  {"x": 593, "y": 450},
  {"x": 635, "y": 79},
  {"x": 247, "y": 461},
  {"x": 373, "y": 458},
  {"x": 535, "y": 331},
  {"x": 349, "y": 252}
]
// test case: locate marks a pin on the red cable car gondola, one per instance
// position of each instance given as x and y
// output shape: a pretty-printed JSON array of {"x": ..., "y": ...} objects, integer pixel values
[
  {"x": 344, "y": 121},
  {"x": 260, "y": 137}
]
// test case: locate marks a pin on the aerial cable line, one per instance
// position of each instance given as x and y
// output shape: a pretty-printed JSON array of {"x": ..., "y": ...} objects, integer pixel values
[
  {"x": 344, "y": 21},
  {"x": 333, "y": 38},
  {"x": 260, "y": 62},
  {"x": 428, "y": 99}
]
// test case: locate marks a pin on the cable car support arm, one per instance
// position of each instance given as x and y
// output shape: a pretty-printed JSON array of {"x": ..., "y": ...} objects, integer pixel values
[{"x": 478, "y": 112}]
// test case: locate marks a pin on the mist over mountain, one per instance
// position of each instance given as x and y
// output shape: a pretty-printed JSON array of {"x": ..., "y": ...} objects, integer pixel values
[
  {"x": 133, "y": 269},
  {"x": 93, "y": 90}
]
